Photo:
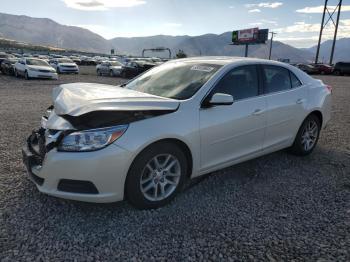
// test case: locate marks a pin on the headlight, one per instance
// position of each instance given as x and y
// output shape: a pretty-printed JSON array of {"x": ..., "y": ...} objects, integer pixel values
[{"x": 91, "y": 140}]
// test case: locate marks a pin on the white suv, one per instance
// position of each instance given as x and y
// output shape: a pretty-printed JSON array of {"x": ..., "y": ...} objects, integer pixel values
[{"x": 34, "y": 68}]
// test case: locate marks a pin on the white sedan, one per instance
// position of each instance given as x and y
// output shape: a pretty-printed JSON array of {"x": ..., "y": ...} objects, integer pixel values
[
  {"x": 64, "y": 65},
  {"x": 34, "y": 68},
  {"x": 180, "y": 120},
  {"x": 111, "y": 68}
]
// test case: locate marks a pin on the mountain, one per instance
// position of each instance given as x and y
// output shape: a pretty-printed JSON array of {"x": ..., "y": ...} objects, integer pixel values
[
  {"x": 208, "y": 44},
  {"x": 341, "y": 51},
  {"x": 43, "y": 31}
]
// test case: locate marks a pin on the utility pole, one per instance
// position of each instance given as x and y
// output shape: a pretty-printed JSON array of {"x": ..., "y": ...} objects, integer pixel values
[
  {"x": 272, "y": 34},
  {"x": 335, "y": 32},
  {"x": 330, "y": 15}
]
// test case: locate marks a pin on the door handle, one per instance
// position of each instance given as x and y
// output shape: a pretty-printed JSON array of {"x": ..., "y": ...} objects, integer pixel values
[
  {"x": 257, "y": 112},
  {"x": 300, "y": 101}
]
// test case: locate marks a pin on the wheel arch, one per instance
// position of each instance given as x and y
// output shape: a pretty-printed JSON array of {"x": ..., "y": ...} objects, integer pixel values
[
  {"x": 181, "y": 144},
  {"x": 318, "y": 114}
]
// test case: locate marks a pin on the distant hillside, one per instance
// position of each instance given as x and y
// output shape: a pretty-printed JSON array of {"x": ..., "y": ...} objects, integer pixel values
[
  {"x": 43, "y": 31},
  {"x": 209, "y": 44},
  {"x": 341, "y": 52}
]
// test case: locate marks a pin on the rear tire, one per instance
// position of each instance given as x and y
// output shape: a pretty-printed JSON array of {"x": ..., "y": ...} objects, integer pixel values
[
  {"x": 99, "y": 73},
  {"x": 156, "y": 176},
  {"x": 307, "y": 136}
]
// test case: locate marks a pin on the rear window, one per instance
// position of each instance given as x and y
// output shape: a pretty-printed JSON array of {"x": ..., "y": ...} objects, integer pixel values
[
  {"x": 276, "y": 78},
  {"x": 295, "y": 81}
]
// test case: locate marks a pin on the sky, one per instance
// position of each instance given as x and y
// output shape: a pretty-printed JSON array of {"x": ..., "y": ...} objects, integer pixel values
[{"x": 296, "y": 22}]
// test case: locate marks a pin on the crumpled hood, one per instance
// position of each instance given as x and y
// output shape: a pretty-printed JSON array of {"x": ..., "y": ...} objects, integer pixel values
[{"x": 80, "y": 98}]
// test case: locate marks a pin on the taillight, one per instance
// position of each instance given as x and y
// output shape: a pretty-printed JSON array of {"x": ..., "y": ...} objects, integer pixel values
[{"x": 329, "y": 88}]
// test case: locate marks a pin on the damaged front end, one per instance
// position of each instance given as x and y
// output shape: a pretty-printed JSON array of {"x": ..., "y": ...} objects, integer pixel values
[{"x": 88, "y": 117}]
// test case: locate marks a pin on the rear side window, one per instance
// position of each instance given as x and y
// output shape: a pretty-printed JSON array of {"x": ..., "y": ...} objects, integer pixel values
[
  {"x": 295, "y": 81},
  {"x": 241, "y": 83},
  {"x": 276, "y": 78}
]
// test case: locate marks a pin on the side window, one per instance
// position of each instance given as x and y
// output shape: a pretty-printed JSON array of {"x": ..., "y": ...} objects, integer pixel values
[
  {"x": 241, "y": 82},
  {"x": 276, "y": 78},
  {"x": 295, "y": 81}
]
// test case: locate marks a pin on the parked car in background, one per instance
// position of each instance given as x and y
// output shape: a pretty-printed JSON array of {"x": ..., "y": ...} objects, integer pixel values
[
  {"x": 64, "y": 65},
  {"x": 85, "y": 60},
  {"x": 323, "y": 69},
  {"x": 342, "y": 68},
  {"x": 111, "y": 68},
  {"x": 8, "y": 66},
  {"x": 34, "y": 68},
  {"x": 4, "y": 56},
  {"x": 180, "y": 120},
  {"x": 309, "y": 69},
  {"x": 75, "y": 59},
  {"x": 136, "y": 67}
]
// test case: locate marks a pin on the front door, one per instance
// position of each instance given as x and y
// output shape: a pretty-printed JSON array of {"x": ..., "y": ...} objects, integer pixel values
[{"x": 231, "y": 132}]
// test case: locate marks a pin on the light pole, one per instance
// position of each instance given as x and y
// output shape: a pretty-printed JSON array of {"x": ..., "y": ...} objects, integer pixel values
[{"x": 272, "y": 34}]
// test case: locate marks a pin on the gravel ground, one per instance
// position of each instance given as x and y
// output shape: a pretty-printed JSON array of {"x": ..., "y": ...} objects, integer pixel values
[{"x": 276, "y": 208}]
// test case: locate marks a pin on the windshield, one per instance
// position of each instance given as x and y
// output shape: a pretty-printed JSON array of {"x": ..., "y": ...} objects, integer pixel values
[
  {"x": 36, "y": 62},
  {"x": 114, "y": 63},
  {"x": 177, "y": 80},
  {"x": 65, "y": 60}
]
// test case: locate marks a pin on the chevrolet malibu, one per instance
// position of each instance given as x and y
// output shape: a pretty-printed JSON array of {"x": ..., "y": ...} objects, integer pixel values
[{"x": 142, "y": 140}]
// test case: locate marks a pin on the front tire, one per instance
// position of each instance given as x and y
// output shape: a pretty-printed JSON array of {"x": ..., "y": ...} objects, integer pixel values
[
  {"x": 156, "y": 176},
  {"x": 307, "y": 137},
  {"x": 26, "y": 76}
]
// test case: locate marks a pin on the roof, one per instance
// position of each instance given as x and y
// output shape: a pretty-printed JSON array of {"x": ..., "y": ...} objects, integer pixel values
[{"x": 224, "y": 60}]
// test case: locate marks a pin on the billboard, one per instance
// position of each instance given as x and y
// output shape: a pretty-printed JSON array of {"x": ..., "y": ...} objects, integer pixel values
[{"x": 250, "y": 36}]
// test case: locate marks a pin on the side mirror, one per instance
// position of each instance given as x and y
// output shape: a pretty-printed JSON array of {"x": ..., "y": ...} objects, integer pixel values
[{"x": 219, "y": 99}]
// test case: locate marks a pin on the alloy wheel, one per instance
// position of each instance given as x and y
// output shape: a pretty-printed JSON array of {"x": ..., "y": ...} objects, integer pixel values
[
  {"x": 160, "y": 177},
  {"x": 309, "y": 135}
]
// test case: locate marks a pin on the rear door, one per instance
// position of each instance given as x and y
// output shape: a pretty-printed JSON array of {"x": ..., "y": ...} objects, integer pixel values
[
  {"x": 286, "y": 98},
  {"x": 231, "y": 132}
]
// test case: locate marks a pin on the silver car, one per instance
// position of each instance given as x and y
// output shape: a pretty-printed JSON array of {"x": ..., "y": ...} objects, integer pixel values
[{"x": 180, "y": 120}]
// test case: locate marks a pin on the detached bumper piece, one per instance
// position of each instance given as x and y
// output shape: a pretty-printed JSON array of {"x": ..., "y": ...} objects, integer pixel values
[{"x": 33, "y": 154}]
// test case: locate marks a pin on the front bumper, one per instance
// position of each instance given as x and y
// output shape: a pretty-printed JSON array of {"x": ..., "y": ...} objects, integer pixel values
[
  {"x": 37, "y": 74},
  {"x": 105, "y": 169},
  {"x": 72, "y": 70}
]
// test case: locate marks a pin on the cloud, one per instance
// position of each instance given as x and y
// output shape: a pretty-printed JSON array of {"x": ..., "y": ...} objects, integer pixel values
[
  {"x": 101, "y": 5},
  {"x": 254, "y": 11},
  {"x": 301, "y": 30},
  {"x": 319, "y": 9},
  {"x": 265, "y": 5}
]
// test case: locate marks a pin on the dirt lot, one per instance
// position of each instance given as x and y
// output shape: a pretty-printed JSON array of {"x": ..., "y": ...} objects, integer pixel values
[{"x": 278, "y": 207}]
